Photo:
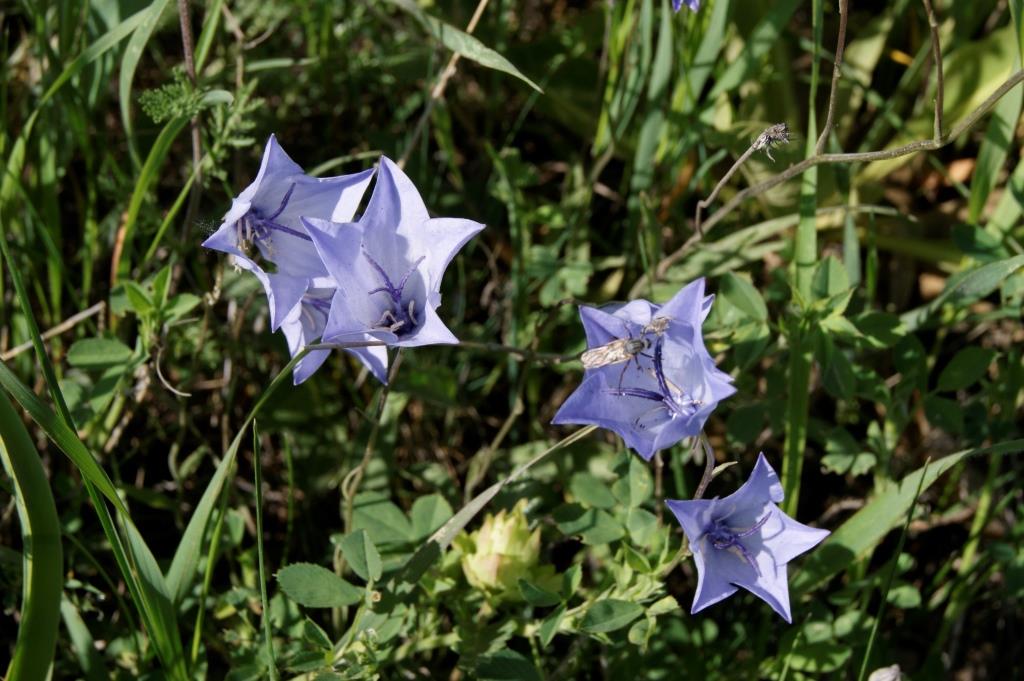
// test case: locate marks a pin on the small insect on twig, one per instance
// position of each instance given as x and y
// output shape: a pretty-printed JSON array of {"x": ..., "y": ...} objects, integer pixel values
[
  {"x": 771, "y": 137},
  {"x": 624, "y": 349}
]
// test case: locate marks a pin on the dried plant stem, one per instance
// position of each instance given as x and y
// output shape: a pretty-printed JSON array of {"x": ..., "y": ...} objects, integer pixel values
[
  {"x": 65, "y": 325},
  {"x": 853, "y": 157},
  {"x": 439, "y": 87},
  {"x": 933, "y": 25},
  {"x": 188, "y": 47},
  {"x": 704, "y": 203},
  {"x": 844, "y": 13}
]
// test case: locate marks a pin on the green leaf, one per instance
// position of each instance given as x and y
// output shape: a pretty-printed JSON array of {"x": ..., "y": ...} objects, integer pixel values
[
  {"x": 591, "y": 491},
  {"x": 462, "y": 43},
  {"x": 836, "y": 370},
  {"x": 506, "y": 665},
  {"x": 534, "y": 595},
  {"x": 98, "y": 353},
  {"x": 830, "y": 279},
  {"x": 880, "y": 329},
  {"x": 549, "y": 627},
  {"x": 180, "y": 305},
  {"x": 966, "y": 287},
  {"x": 904, "y": 596},
  {"x": 642, "y": 526},
  {"x": 945, "y": 414},
  {"x": 593, "y": 526},
  {"x": 428, "y": 514},
  {"x": 383, "y": 521},
  {"x": 609, "y": 614},
  {"x": 62, "y": 436},
  {"x": 966, "y": 368},
  {"x": 362, "y": 555},
  {"x": 139, "y": 300},
  {"x": 742, "y": 294},
  {"x": 820, "y": 657},
  {"x": 861, "y": 533},
  {"x": 313, "y": 586},
  {"x": 845, "y": 455},
  {"x": 663, "y": 606},
  {"x": 634, "y": 485},
  {"x": 571, "y": 580}
]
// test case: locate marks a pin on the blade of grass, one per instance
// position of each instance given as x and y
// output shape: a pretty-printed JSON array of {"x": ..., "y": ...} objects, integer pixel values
[
  {"x": 120, "y": 265},
  {"x": 133, "y": 556},
  {"x": 42, "y": 554},
  {"x": 129, "y": 62},
  {"x": 805, "y": 255}
]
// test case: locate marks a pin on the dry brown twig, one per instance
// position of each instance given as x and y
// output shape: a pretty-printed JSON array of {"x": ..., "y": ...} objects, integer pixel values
[{"x": 938, "y": 140}]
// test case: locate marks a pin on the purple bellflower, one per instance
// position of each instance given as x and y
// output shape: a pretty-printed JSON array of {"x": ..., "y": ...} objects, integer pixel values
[
  {"x": 305, "y": 323},
  {"x": 692, "y": 4},
  {"x": 264, "y": 232},
  {"x": 388, "y": 268},
  {"x": 666, "y": 389},
  {"x": 744, "y": 540}
]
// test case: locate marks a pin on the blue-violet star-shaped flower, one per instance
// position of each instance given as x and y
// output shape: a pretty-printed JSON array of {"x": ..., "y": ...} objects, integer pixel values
[
  {"x": 669, "y": 387},
  {"x": 692, "y": 4},
  {"x": 264, "y": 232},
  {"x": 305, "y": 323},
  {"x": 744, "y": 540},
  {"x": 388, "y": 267}
]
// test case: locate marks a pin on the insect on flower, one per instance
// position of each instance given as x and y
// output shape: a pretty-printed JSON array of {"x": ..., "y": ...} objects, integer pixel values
[
  {"x": 676, "y": 386},
  {"x": 624, "y": 349},
  {"x": 771, "y": 137},
  {"x": 670, "y": 395}
]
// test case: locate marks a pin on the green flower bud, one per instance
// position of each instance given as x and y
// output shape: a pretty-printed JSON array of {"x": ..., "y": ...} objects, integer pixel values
[{"x": 500, "y": 553}]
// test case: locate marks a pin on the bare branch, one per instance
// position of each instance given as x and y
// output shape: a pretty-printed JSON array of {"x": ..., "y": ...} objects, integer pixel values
[
  {"x": 826, "y": 159},
  {"x": 188, "y": 47},
  {"x": 844, "y": 13},
  {"x": 933, "y": 25},
  {"x": 776, "y": 134},
  {"x": 439, "y": 88},
  {"x": 65, "y": 325}
]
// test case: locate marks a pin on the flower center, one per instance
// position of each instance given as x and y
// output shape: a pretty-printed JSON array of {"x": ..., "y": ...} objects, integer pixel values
[
  {"x": 255, "y": 228},
  {"x": 724, "y": 537},
  {"x": 398, "y": 317}
]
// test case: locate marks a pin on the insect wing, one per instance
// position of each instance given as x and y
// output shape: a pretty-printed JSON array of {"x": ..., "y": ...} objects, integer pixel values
[{"x": 609, "y": 353}]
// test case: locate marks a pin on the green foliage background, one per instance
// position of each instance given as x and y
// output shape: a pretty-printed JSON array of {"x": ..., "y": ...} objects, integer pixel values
[{"x": 870, "y": 313}]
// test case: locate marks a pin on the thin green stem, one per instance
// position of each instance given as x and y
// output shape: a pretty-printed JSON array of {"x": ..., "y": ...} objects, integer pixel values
[
  {"x": 268, "y": 638},
  {"x": 892, "y": 573}
]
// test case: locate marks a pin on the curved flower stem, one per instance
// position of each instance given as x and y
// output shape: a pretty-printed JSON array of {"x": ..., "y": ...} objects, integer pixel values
[
  {"x": 709, "y": 464},
  {"x": 520, "y": 353},
  {"x": 844, "y": 14},
  {"x": 42, "y": 554}
]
